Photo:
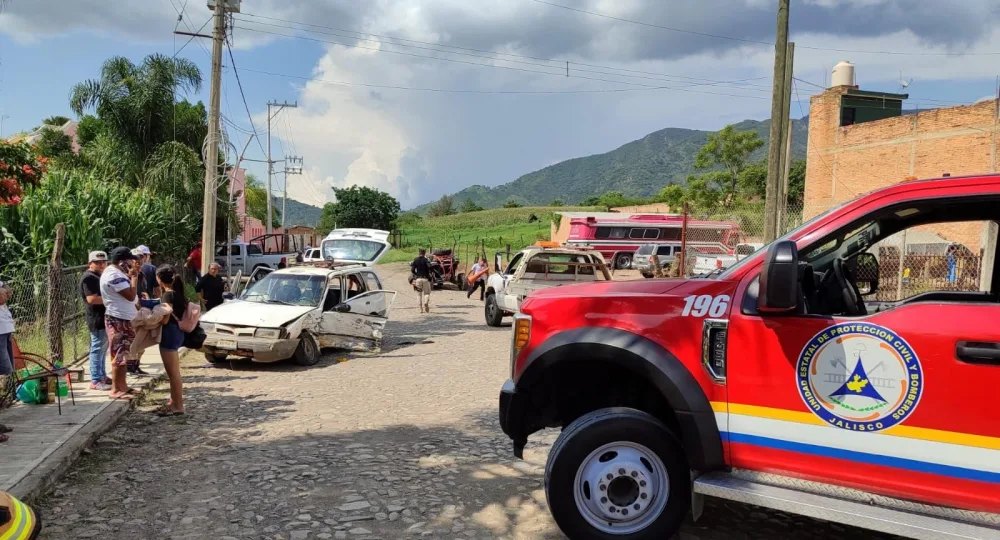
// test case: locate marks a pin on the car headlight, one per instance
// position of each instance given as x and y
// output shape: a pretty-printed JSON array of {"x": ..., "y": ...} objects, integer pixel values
[
  {"x": 208, "y": 327},
  {"x": 268, "y": 333}
]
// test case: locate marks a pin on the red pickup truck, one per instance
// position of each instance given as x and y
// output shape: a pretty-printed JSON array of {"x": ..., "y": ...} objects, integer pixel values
[{"x": 817, "y": 376}]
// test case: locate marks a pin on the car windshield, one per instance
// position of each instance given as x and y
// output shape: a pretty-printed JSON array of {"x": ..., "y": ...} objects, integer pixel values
[
  {"x": 287, "y": 289},
  {"x": 728, "y": 271},
  {"x": 645, "y": 249},
  {"x": 351, "y": 250}
]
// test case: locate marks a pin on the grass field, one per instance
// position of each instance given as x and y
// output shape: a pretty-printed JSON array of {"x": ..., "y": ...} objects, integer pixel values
[{"x": 491, "y": 230}]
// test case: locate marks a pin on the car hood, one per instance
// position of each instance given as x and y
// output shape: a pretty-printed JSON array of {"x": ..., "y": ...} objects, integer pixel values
[{"x": 257, "y": 314}]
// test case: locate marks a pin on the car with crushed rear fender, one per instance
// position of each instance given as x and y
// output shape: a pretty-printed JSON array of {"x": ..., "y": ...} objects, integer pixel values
[
  {"x": 296, "y": 312},
  {"x": 818, "y": 375}
]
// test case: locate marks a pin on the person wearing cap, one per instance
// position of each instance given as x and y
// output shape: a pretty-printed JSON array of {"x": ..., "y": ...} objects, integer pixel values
[
  {"x": 147, "y": 285},
  {"x": 119, "y": 290},
  {"x": 93, "y": 305}
]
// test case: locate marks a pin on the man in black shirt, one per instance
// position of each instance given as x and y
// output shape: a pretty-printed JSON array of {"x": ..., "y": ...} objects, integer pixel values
[
  {"x": 90, "y": 288},
  {"x": 210, "y": 288},
  {"x": 421, "y": 269}
]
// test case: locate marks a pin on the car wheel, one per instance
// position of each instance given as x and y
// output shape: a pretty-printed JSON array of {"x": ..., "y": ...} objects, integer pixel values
[
  {"x": 623, "y": 261},
  {"x": 462, "y": 283},
  {"x": 307, "y": 354},
  {"x": 648, "y": 276},
  {"x": 618, "y": 473},
  {"x": 494, "y": 315},
  {"x": 216, "y": 358}
]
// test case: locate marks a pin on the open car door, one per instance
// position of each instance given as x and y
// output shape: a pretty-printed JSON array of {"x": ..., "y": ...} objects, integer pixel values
[
  {"x": 358, "y": 323},
  {"x": 236, "y": 283},
  {"x": 258, "y": 274}
]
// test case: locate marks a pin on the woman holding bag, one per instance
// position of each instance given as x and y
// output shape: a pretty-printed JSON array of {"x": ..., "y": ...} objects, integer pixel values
[{"x": 172, "y": 337}]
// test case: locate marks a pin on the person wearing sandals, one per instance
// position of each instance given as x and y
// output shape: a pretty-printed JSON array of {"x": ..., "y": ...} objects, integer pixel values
[
  {"x": 172, "y": 337},
  {"x": 6, "y": 343},
  {"x": 119, "y": 290}
]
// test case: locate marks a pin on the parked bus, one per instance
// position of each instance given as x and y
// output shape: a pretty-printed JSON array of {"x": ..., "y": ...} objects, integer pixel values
[{"x": 617, "y": 238}]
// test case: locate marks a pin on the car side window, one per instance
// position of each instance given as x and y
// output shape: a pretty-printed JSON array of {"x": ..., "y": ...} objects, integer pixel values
[
  {"x": 942, "y": 257},
  {"x": 663, "y": 250},
  {"x": 253, "y": 249},
  {"x": 237, "y": 250},
  {"x": 512, "y": 267},
  {"x": 372, "y": 281}
]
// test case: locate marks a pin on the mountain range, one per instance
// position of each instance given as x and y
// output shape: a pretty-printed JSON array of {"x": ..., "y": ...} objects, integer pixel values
[
  {"x": 640, "y": 168},
  {"x": 299, "y": 213}
]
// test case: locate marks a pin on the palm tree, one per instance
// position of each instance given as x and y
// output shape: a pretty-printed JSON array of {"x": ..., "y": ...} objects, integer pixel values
[{"x": 136, "y": 102}]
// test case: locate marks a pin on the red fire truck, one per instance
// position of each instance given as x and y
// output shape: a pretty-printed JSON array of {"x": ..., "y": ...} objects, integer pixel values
[
  {"x": 618, "y": 236},
  {"x": 778, "y": 382}
]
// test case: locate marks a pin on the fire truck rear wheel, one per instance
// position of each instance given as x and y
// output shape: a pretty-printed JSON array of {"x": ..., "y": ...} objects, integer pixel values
[{"x": 618, "y": 473}]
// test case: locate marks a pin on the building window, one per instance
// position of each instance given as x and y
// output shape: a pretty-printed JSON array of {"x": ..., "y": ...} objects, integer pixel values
[{"x": 847, "y": 116}]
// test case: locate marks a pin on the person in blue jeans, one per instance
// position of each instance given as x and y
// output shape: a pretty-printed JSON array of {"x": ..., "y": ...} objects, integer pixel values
[
  {"x": 172, "y": 337},
  {"x": 90, "y": 288},
  {"x": 6, "y": 343}
]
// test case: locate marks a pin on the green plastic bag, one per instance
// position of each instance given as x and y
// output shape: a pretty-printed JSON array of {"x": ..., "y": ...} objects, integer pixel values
[{"x": 30, "y": 392}]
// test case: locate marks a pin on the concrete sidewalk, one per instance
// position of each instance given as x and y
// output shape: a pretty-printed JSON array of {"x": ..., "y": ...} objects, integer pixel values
[{"x": 44, "y": 444}]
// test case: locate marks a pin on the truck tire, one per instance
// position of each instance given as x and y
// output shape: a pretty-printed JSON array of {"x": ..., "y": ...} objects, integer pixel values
[
  {"x": 618, "y": 473},
  {"x": 461, "y": 282},
  {"x": 494, "y": 315},
  {"x": 623, "y": 261},
  {"x": 307, "y": 353}
]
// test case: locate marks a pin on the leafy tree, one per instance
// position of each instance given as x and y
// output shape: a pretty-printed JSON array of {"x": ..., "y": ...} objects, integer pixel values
[
  {"x": 54, "y": 143},
  {"x": 88, "y": 128},
  {"x": 673, "y": 195},
  {"x": 327, "y": 219},
  {"x": 591, "y": 201},
  {"x": 55, "y": 121},
  {"x": 408, "y": 219},
  {"x": 190, "y": 125},
  {"x": 797, "y": 182},
  {"x": 557, "y": 202},
  {"x": 511, "y": 203},
  {"x": 364, "y": 207},
  {"x": 753, "y": 179},
  {"x": 136, "y": 102},
  {"x": 444, "y": 207},
  {"x": 255, "y": 195},
  {"x": 470, "y": 206},
  {"x": 729, "y": 150}
]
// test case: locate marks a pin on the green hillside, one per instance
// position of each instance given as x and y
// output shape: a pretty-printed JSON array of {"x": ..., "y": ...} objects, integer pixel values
[
  {"x": 638, "y": 169},
  {"x": 494, "y": 229},
  {"x": 299, "y": 213}
]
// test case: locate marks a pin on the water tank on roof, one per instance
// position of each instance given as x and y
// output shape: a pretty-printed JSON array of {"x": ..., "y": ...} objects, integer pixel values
[{"x": 843, "y": 75}]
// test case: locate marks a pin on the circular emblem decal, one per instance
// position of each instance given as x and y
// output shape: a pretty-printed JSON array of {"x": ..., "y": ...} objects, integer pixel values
[{"x": 859, "y": 376}]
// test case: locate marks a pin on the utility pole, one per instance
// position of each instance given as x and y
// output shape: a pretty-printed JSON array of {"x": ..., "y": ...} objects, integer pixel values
[
  {"x": 212, "y": 157},
  {"x": 293, "y": 161},
  {"x": 786, "y": 142},
  {"x": 776, "y": 138},
  {"x": 270, "y": 163}
]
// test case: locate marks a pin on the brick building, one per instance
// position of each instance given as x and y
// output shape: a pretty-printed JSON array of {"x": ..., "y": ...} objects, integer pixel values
[{"x": 860, "y": 141}]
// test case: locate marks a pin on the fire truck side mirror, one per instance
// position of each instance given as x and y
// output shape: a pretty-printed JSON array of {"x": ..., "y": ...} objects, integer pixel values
[{"x": 779, "y": 280}]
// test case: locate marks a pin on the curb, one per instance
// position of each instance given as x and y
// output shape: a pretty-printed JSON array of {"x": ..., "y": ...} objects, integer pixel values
[{"x": 51, "y": 467}]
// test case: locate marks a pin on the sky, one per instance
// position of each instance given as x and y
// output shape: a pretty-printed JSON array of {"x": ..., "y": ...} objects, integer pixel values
[{"x": 424, "y": 98}]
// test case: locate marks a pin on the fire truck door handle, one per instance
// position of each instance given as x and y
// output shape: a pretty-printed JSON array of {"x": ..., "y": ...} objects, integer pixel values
[{"x": 974, "y": 352}]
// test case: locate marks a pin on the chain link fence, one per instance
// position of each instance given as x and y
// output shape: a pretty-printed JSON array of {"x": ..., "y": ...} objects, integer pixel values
[{"x": 37, "y": 298}]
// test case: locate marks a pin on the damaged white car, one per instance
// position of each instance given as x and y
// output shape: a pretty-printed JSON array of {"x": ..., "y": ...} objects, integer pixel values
[{"x": 296, "y": 312}]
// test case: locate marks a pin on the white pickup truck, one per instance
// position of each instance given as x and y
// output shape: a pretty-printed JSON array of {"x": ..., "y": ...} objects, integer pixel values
[
  {"x": 538, "y": 267},
  {"x": 248, "y": 257},
  {"x": 706, "y": 263}
]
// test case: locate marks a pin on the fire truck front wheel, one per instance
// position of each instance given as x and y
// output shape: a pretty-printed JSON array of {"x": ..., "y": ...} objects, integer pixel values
[{"x": 618, "y": 473}]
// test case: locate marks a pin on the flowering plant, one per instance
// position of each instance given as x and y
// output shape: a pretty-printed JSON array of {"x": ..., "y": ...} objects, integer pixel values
[{"x": 19, "y": 167}]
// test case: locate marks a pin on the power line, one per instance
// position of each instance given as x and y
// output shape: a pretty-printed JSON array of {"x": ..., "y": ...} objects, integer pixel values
[
  {"x": 181, "y": 18},
  {"x": 731, "y": 38},
  {"x": 685, "y": 88},
  {"x": 492, "y": 55},
  {"x": 514, "y": 92},
  {"x": 239, "y": 83}
]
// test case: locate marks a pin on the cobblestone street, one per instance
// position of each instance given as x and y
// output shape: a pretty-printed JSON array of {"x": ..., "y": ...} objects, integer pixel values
[{"x": 396, "y": 445}]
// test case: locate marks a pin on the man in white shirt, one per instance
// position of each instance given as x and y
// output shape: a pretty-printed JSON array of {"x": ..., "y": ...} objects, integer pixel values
[
  {"x": 480, "y": 281},
  {"x": 119, "y": 286}
]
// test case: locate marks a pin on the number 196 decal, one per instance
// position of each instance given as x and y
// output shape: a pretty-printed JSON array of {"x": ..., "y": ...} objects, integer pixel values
[{"x": 705, "y": 304}]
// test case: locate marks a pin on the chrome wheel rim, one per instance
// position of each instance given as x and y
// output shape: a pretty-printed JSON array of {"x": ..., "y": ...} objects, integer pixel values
[{"x": 621, "y": 488}]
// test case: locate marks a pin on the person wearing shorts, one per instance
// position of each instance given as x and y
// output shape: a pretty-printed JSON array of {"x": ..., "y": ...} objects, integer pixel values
[
  {"x": 172, "y": 337},
  {"x": 6, "y": 344},
  {"x": 119, "y": 289}
]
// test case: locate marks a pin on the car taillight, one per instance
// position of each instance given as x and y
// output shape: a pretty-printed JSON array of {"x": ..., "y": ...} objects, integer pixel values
[
  {"x": 718, "y": 263},
  {"x": 652, "y": 259},
  {"x": 284, "y": 261}
]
